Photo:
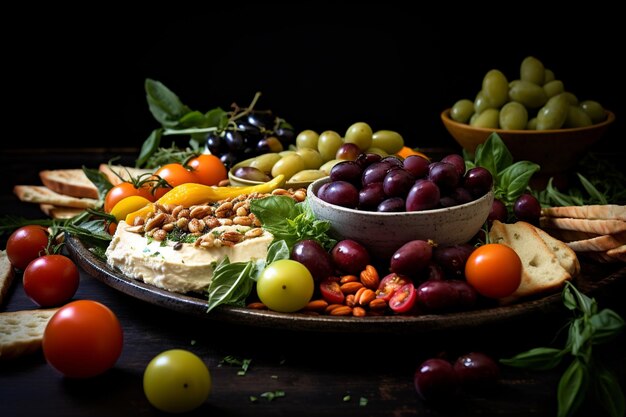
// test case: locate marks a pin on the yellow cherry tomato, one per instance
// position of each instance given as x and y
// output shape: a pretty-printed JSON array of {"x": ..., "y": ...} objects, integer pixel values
[{"x": 128, "y": 205}]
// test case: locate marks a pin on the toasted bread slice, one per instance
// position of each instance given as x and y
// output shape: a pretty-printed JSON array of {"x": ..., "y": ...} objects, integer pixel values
[
  {"x": 618, "y": 253},
  {"x": 599, "y": 244},
  {"x": 21, "y": 332},
  {"x": 565, "y": 254},
  {"x": 58, "y": 212},
  {"x": 542, "y": 271},
  {"x": 41, "y": 194},
  {"x": 601, "y": 227},
  {"x": 72, "y": 182},
  {"x": 124, "y": 172},
  {"x": 6, "y": 275},
  {"x": 605, "y": 212},
  {"x": 570, "y": 235}
]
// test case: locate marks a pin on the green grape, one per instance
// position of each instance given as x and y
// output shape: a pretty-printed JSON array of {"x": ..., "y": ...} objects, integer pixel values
[
  {"x": 327, "y": 166},
  {"x": 288, "y": 166},
  {"x": 553, "y": 114},
  {"x": 532, "y": 70},
  {"x": 549, "y": 76},
  {"x": 285, "y": 153},
  {"x": 377, "y": 151},
  {"x": 360, "y": 134},
  {"x": 571, "y": 98},
  {"x": 553, "y": 88},
  {"x": 462, "y": 111},
  {"x": 480, "y": 103},
  {"x": 390, "y": 141},
  {"x": 576, "y": 117},
  {"x": 513, "y": 116},
  {"x": 265, "y": 162},
  {"x": 308, "y": 175},
  {"x": 529, "y": 94},
  {"x": 495, "y": 88},
  {"x": 312, "y": 158},
  {"x": 307, "y": 139},
  {"x": 532, "y": 124},
  {"x": 328, "y": 144},
  {"x": 472, "y": 120},
  {"x": 594, "y": 110},
  {"x": 488, "y": 119}
]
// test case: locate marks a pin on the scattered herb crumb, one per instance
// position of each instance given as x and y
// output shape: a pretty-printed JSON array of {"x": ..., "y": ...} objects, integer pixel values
[
  {"x": 274, "y": 377},
  {"x": 271, "y": 395},
  {"x": 254, "y": 399},
  {"x": 193, "y": 342},
  {"x": 235, "y": 361},
  {"x": 362, "y": 402},
  {"x": 346, "y": 398}
]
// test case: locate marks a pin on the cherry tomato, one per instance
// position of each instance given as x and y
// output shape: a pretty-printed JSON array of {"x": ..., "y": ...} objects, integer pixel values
[
  {"x": 494, "y": 270},
  {"x": 331, "y": 291},
  {"x": 389, "y": 284},
  {"x": 209, "y": 169},
  {"x": 26, "y": 244},
  {"x": 51, "y": 280},
  {"x": 403, "y": 299},
  {"x": 83, "y": 339},
  {"x": 128, "y": 205},
  {"x": 176, "y": 174},
  {"x": 123, "y": 190},
  {"x": 176, "y": 381},
  {"x": 285, "y": 286}
]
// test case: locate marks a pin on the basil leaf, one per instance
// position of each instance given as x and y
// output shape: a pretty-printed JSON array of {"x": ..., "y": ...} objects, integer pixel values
[
  {"x": 231, "y": 283},
  {"x": 100, "y": 180},
  {"x": 493, "y": 155},
  {"x": 605, "y": 326},
  {"x": 609, "y": 392},
  {"x": 568, "y": 299},
  {"x": 192, "y": 119},
  {"x": 514, "y": 179},
  {"x": 278, "y": 250},
  {"x": 585, "y": 304},
  {"x": 148, "y": 148},
  {"x": 596, "y": 195},
  {"x": 541, "y": 358},
  {"x": 274, "y": 211},
  {"x": 164, "y": 105},
  {"x": 216, "y": 118},
  {"x": 572, "y": 388},
  {"x": 578, "y": 337}
]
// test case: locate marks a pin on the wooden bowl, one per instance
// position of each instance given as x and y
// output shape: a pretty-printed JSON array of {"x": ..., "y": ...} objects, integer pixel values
[{"x": 556, "y": 151}]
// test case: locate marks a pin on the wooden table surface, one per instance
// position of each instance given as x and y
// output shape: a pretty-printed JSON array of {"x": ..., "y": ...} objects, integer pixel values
[{"x": 318, "y": 371}]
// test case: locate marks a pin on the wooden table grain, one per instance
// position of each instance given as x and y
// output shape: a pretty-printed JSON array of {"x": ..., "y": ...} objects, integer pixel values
[{"x": 320, "y": 373}]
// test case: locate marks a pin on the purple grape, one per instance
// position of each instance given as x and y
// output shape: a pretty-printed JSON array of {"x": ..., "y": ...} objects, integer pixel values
[
  {"x": 435, "y": 271},
  {"x": 350, "y": 256},
  {"x": 444, "y": 175},
  {"x": 498, "y": 212},
  {"x": 476, "y": 370},
  {"x": 340, "y": 193},
  {"x": 424, "y": 195},
  {"x": 393, "y": 204},
  {"x": 457, "y": 161},
  {"x": 416, "y": 165},
  {"x": 393, "y": 161},
  {"x": 527, "y": 209},
  {"x": 478, "y": 181},
  {"x": 466, "y": 294},
  {"x": 348, "y": 171},
  {"x": 366, "y": 159},
  {"x": 437, "y": 296},
  {"x": 398, "y": 182},
  {"x": 456, "y": 197},
  {"x": 453, "y": 258},
  {"x": 411, "y": 257},
  {"x": 316, "y": 259},
  {"x": 371, "y": 196},
  {"x": 435, "y": 380},
  {"x": 375, "y": 172}
]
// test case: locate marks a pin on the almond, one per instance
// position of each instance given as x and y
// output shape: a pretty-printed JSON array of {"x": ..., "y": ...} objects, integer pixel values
[
  {"x": 366, "y": 297},
  {"x": 332, "y": 307},
  {"x": 348, "y": 278},
  {"x": 351, "y": 287},
  {"x": 341, "y": 311},
  {"x": 358, "y": 312},
  {"x": 378, "y": 304},
  {"x": 369, "y": 277},
  {"x": 316, "y": 305},
  {"x": 257, "y": 306}
]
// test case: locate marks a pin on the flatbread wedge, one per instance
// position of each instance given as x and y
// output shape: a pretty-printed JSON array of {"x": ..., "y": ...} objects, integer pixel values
[
  {"x": 40, "y": 194},
  {"x": 601, "y": 227},
  {"x": 599, "y": 212},
  {"x": 72, "y": 182}
]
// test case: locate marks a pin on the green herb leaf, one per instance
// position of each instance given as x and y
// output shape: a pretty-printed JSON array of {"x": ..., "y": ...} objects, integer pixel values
[
  {"x": 100, "y": 180},
  {"x": 164, "y": 105},
  {"x": 541, "y": 358},
  {"x": 593, "y": 191},
  {"x": 9, "y": 223},
  {"x": 605, "y": 325},
  {"x": 362, "y": 402},
  {"x": 585, "y": 304},
  {"x": 149, "y": 147},
  {"x": 216, "y": 118},
  {"x": 278, "y": 250},
  {"x": 609, "y": 392},
  {"x": 513, "y": 180},
  {"x": 231, "y": 283},
  {"x": 493, "y": 155},
  {"x": 572, "y": 388},
  {"x": 192, "y": 119}
]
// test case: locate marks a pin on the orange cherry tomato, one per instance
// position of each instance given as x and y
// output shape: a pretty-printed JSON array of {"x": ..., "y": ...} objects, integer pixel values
[
  {"x": 123, "y": 190},
  {"x": 406, "y": 151},
  {"x": 494, "y": 270},
  {"x": 176, "y": 174},
  {"x": 209, "y": 169}
]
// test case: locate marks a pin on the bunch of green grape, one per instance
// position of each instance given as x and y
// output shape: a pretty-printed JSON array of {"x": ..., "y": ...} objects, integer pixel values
[{"x": 535, "y": 101}]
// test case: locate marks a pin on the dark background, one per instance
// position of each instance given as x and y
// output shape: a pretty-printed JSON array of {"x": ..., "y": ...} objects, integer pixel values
[{"x": 75, "y": 77}]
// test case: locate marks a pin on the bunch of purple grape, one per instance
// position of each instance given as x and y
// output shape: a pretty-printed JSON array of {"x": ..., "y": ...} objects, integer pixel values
[
  {"x": 390, "y": 184},
  {"x": 256, "y": 133}
]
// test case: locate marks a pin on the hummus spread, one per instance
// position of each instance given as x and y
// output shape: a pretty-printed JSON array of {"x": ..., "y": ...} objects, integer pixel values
[{"x": 176, "y": 266}]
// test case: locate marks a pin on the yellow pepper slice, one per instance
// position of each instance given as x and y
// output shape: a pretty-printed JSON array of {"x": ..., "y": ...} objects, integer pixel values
[{"x": 190, "y": 194}]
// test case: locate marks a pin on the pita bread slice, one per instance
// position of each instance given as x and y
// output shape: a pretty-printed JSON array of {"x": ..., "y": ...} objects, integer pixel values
[
  {"x": 618, "y": 253},
  {"x": 6, "y": 275},
  {"x": 41, "y": 194},
  {"x": 605, "y": 212},
  {"x": 598, "y": 244},
  {"x": 601, "y": 227},
  {"x": 58, "y": 212},
  {"x": 72, "y": 182}
]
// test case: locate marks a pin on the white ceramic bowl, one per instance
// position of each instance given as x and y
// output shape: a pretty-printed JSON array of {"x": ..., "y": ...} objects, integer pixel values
[{"x": 383, "y": 233}]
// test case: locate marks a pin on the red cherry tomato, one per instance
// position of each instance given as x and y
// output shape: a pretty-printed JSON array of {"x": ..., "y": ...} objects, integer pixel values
[
  {"x": 176, "y": 174},
  {"x": 494, "y": 270},
  {"x": 331, "y": 291},
  {"x": 123, "y": 190},
  {"x": 51, "y": 280},
  {"x": 403, "y": 299},
  {"x": 26, "y": 244},
  {"x": 83, "y": 339},
  {"x": 208, "y": 169},
  {"x": 389, "y": 284}
]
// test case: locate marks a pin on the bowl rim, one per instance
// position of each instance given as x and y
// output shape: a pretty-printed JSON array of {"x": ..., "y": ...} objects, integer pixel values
[
  {"x": 320, "y": 181},
  {"x": 445, "y": 117}
]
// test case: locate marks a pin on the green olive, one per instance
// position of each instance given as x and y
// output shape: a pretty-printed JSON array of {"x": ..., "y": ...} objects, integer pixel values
[
  {"x": 472, "y": 120},
  {"x": 495, "y": 88},
  {"x": 308, "y": 175},
  {"x": 549, "y": 76},
  {"x": 461, "y": 111},
  {"x": 594, "y": 110},
  {"x": 252, "y": 174},
  {"x": 390, "y": 141},
  {"x": 571, "y": 98},
  {"x": 288, "y": 166},
  {"x": 327, "y": 166},
  {"x": 513, "y": 116},
  {"x": 312, "y": 158},
  {"x": 488, "y": 119},
  {"x": 286, "y": 153},
  {"x": 529, "y": 94},
  {"x": 328, "y": 144},
  {"x": 576, "y": 117},
  {"x": 480, "y": 103},
  {"x": 307, "y": 139},
  {"x": 553, "y": 88},
  {"x": 265, "y": 162},
  {"x": 360, "y": 134},
  {"x": 532, "y": 70},
  {"x": 553, "y": 114},
  {"x": 532, "y": 124}
]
